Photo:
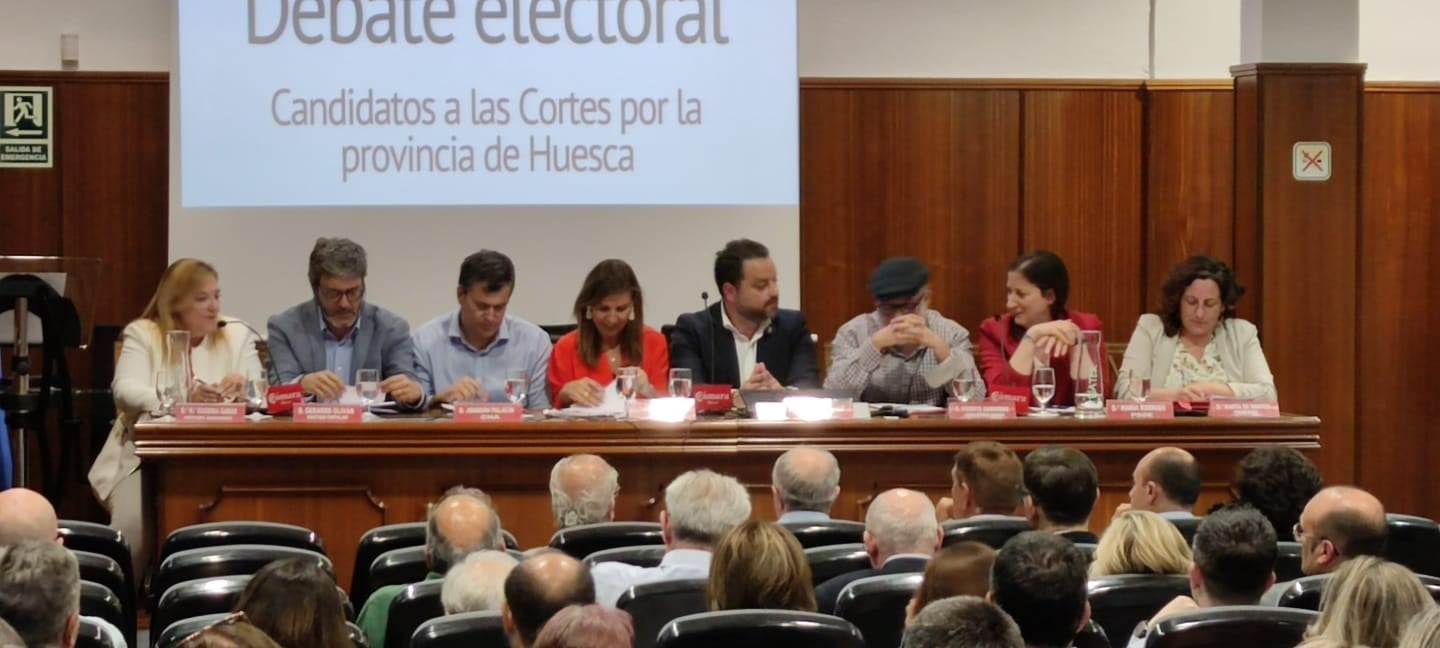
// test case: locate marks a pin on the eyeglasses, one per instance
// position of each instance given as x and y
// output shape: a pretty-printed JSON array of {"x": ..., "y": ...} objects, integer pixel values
[
  {"x": 888, "y": 310},
  {"x": 353, "y": 294}
]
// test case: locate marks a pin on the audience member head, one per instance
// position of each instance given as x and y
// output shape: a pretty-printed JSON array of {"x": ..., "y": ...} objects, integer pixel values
[
  {"x": 1037, "y": 286},
  {"x": 1063, "y": 485},
  {"x": 26, "y": 515},
  {"x": 961, "y": 569},
  {"x": 901, "y": 521},
  {"x": 1039, "y": 580},
  {"x": 1277, "y": 481},
  {"x": 1234, "y": 558},
  {"x": 805, "y": 479},
  {"x": 962, "y": 622},
  {"x": 234, "y": 631},
  {"x": 760, "y": 565},
  {"x": 582, "y": 491},
  {"x": 544, "y": 583},
  {"x": 1423, "y": 631},
  {"x": 987, "y": 479},
  {"x": 745, "y": 276},
  {"x": 478, "y": 583},
  {"x": 461, "y": 523},
  {"x": 337, "y": 279},
  {"x": 1339, "y": 523},
  {"x": 1209, "y": 285},
  {"x": 295, "y": 602},
  {"x": 186, "y": 299},
  {"x": 610, "y": 309},
  {"x": 8, "y": 637},
  {"x": 1165, "y": 480},
  {"x": 700, "y": 505},
  {"x": 40, "y": 593},
  {"x": 1140, "y": 542},
  {"x": 587, "y": 626},
  {"x": 1368, "y": 603}
]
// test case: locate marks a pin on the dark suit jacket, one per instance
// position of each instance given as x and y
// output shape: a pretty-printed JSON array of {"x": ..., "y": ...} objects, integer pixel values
[
  {"x": 829, "y": 591},
  {"x": 297, "y": 343},
  {"x": 1082, "y": 537},
  {"x": 787, "y": 350}
]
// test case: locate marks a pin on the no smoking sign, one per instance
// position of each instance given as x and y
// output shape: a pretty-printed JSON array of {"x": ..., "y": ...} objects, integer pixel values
[{"x": 1311, "y": 161}]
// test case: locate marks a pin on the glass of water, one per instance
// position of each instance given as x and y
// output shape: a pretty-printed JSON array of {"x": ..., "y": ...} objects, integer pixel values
[
  {"x": 517, "y": 384},
  {"x": 255, "y": 389},
  {"x": 1138, "y": 386},
  {"x": 165, "y": 391},
  {"x": 961, "y": 387},
  {"x": 1042, "y": 386},
  {"x": 625, "y": 379},
  {"x": 367, "y": 385},
  {"x": 680, "y": 383}
]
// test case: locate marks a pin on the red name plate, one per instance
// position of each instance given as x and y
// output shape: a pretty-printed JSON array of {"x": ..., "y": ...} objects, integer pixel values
[
  {"x": 1015, "y": 394},
  {"x": 328, "y": 412},
  {"x": 1243, "y": 408},
  {"x": 663, "y": 410},
  {"x": 712, "y": 398},
  {"x": 210, "y": 412},
  {"x": 991, "y": 410},
  {"x": 488, "y": 413},
  {"x": 280, "y": 399},
  {"x": 1131, "y": 410}
]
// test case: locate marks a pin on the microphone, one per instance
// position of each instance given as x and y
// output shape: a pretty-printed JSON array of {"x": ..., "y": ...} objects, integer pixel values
[
  {"x": 714, "y": 324},
  {"x": 271, "y": 374}
]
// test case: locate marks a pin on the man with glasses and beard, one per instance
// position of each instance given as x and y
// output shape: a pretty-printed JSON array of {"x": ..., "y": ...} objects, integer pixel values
[{"x": 901, "y": 352}]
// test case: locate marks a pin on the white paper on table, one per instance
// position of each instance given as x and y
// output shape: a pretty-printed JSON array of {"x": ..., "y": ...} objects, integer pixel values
[
  {"x": 351, "y": 396},
  {"x": 612, "y": 404}
]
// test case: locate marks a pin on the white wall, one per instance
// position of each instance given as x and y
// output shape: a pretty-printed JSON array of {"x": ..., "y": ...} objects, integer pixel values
[
  {"x": 1399, "y": 39},
  {"x": 115, "y": 35},
  {"x": 1196, "y": 39}
]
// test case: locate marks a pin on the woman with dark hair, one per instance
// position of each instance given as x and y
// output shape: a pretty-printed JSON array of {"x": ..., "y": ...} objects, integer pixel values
[
  {"x": 612, "y": 334},
  {"x": 1196, "y": 347},
  {"x": 295, "y": 602},
  {"x": 1037, "y": 327}
]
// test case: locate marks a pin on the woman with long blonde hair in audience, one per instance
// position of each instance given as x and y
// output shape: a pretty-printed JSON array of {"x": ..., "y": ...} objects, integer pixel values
[
  {"x": 1423, "y": 631},
  {"x": 760, "y": 565},
  {"x": 1367, "y": 603},
  {"x": 1141, "y": 542}
]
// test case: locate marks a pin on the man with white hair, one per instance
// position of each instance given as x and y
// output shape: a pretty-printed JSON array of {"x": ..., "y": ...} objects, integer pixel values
[
  {"x": 805, "y": 483},
  {"x": 40, "y": 593},
  {"x": 478, "y": 584},
  {"x": 901, "y": 534},
  {"x": 700, "y": 505},
  {"x": 582, "y": 491}
]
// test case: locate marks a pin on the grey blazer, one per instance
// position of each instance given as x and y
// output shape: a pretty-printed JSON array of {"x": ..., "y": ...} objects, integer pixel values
[{"x": 297, "y": 343}]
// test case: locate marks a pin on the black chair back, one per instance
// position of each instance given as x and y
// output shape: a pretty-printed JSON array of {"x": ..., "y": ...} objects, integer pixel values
[
  {"x": 1413, "y": 542},
  {"x": 1088, "y": 549},
  {"x": 1187, "y": 527},
  {"x": 829, "y": 532},
  {"x": 414, "y": 605},
  {"x": 652, "y": 605},
  {"x": 467, "y": 630},
  {"x": 196, "y": 598},
  {"x": 1301, "y": 594},
  {"x": 876, "y": 605},
  {"x": 642, "y": 556},
  {"x": 377, "y": 541},
  {"x": 91, "y": 636},
  {"x": 96, "y": 600},
  {"x": 557, "y": 331},
  {"x": 833, "y": 560},
  {"x": 398, "y": 567},
  {"x": 1287, "y": 561},
  {"x": 100, "y": 539},
  {"x": 758, "y": 628},
  {"x": 1091, "y": 636},
  {"x": 991, "y": 531},
  {"x": 102, "y": 569},
  {"x": 209, "y": 562},
  {"x": 1119, "y": 603},
  {"x": 220, "y": 534},
  {"x": 1241, "y": 626},
  {"x": 581, "y": 541},
  {"x": 172, "y": 635}
]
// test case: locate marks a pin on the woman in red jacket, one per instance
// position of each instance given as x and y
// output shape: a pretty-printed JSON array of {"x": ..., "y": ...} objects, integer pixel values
[
  {"x": 611, "y": 311},
  {"x": 1036, "y": 329}
]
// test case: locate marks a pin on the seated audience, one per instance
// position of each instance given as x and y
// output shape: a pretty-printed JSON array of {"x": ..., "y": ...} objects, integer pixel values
[
  {"x": 903, "y": 351},
  {"x": 40, "y": 593},
  {"x": 463, "y": 522},
  {"x": 1165, "y": 482},
  {"x": 233, "y": 631},
  {"x": 962, "y": 622},
  {"x": 1368, "y": 603},
  {"x": 295, "y": 602},
  {"x": 961, "y": 569},
  {"x": 1039, "y": 580},
  {"x": 805, "y": 482},
  {"x": 587, "y": 626},
  {"x": 544, "y": 583},
  {"x": 1340, "y": 523},
  {"x": 478, "y": 583},
  {"x": 1140, "y": 542},
  {"x": 1279, "y": 482},
  {"x": 582, "y": 491},
  {"x": 610, "y": 311},
  {"x": 1063, "y": 485},
  {"x": 1195, "y": 347},
  {"x": 901, "y": 535},
  {"x": 760, "y": 565},
  {"x": 987, "y": 481},
  {"x": 1423, "y": 631},
  {"x": 700, "y": 506}
]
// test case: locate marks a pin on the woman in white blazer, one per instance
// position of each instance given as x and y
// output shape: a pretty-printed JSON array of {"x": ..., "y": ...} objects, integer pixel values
[
  {"x": 222, "y": 359},
  {"x": 1195, "y": 348}
]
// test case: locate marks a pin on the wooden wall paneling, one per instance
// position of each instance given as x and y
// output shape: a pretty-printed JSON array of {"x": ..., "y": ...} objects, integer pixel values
[
  {"x": 30, "y": 211},
  {"x": 1247, "y": 198}
]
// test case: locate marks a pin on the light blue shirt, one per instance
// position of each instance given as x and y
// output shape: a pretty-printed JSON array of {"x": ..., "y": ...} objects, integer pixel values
[
  {"x": 802, "y": 517},
  {"x": 612, "y": 579},
  {"x": 1177, "y": 515},
  {"x": 339, "y": 354},
  {"x": 443, "y": 357}
]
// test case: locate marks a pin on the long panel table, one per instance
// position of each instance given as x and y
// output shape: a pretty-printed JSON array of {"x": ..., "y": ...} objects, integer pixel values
[{"x": 343, "y": 479}]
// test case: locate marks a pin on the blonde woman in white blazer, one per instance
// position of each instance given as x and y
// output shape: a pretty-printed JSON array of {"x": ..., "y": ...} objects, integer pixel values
[
  {"x": 222, "y": 359},
  {"x": 1196, "y": 348}
]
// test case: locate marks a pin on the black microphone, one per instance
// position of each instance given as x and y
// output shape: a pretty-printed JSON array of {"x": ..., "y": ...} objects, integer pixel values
[
  {"x": 271, "y": 374},
  {"x": 714, "y": 324}
]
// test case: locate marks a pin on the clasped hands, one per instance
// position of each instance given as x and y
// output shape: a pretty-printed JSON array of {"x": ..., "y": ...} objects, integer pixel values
[
  {"x": 906, "y": 332},
  {"x": 1054, "y": 338},
  {"x": 326, "y": 385}
]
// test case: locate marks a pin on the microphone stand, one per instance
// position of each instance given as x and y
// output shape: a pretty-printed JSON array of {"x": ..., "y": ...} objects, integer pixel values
[{"x": 271, "y": 375}]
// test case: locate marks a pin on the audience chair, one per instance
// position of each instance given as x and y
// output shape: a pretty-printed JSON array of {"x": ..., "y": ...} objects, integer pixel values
[
  {"x": 833, "y": 560},
  {"x": 97, "y": 568},
  {"x": 377, "y": 541},
  {"x": 467, "y": 630},
  {"x": 730, "y": 628},
  {"x": 96, "y": 600},
  {"x": 1092, "y": 636},
  {"x": 643, "y": 556},
  {"x": 829, "y": 532},
  {"x": 100, "y": 539},
  {"x": 172, "y": 635},
  {"x": 581, "y": 541},
  {"x": 398, "y": 567},
  {"x": 195, "y": 598},
  {"x": 209, "y": 562},
  {"x": 220, "y": 534},
  {"x": 91, "y": 636},
  {"x": 414, "y": 605},
  {"x": 876, "y": 606},
  {"x": 991, "y": 531},
  {"x": 1304, "y": 593},
  {"x": 652, "y": 605},
  {"x": 1413, "y": 542},
  {"x": 1187, "y": 527},
  {"x": 1287, "y": 561},
  {"x": 1241, "y": 626},
  {"x": 1119, "y": 603},
  {"x": 1088, "y": 549}
]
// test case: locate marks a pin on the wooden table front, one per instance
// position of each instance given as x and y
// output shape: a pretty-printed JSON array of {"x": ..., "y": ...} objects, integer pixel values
[{"x": 343, "y": 479}]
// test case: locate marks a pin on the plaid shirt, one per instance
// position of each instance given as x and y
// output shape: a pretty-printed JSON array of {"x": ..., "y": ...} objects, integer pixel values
[{"x": 888, "y": 377}]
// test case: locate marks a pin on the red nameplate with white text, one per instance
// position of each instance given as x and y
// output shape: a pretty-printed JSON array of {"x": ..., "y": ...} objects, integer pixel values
[
  {"x": 280, "y": 399},
  {"x": 488, "y": 413},
  {"x": 713, "y": 398},
  {"x": 1139, "y": 410},
  {"x": 989, "y": 410},
  {"x": 1243, "y": 408},
  {"x": 329, "y": 413},
  {"x": 210, "y": 412},
  {"x": 663, "y": 410},
  {"x": 1016, "y": 394}
]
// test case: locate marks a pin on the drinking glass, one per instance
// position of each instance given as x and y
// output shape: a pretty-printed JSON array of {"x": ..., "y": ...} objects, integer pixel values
[
  {"x": 255, "y": 389},
  {"x": 1042, "y": 386},
  {"x": 961, "y": 386},
  {"x": 1139, "y": 386},
  {"x": 517, "y": 383},
  {"x": 367, "y": 385},
  {"x": 680, "y": 383},
  {"x": 625, "y": 379},
  {"x": 179, "y": 373},
  {"x": 165, "y": 391}
]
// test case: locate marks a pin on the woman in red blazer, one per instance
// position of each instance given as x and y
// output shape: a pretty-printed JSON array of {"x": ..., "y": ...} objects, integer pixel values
[
  {"x": 1036, "y": 327},
  {"x": 612, "y": 333}
]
